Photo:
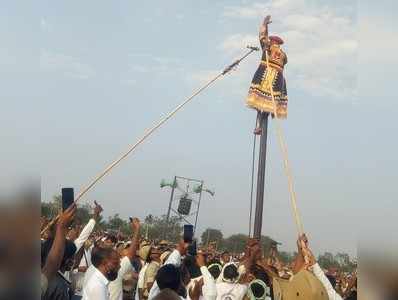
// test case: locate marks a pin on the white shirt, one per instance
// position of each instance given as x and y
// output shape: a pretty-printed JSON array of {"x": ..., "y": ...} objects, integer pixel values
[
  {"x": 96, "y": 288},
  {"x": 84, "y": 234},
  {"x": 233, "y": 291},
  {"x": 116, "y": 286},
  {"x": 77, "y": 277},
  {"x": 333, "y": 295},
  {"x": 140, "y": 282},
  {"x": 209, "y": 289},
  {"x": 174, "y": 259}
]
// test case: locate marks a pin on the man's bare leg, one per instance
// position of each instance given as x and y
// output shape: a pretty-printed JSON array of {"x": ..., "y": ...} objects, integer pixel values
[{"x": 257, "y": 130}]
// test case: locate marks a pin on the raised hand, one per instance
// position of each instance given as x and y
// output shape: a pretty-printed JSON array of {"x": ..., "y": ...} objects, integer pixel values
[
  {"x": 196, "y": 291},
  {"x": 182, "y": 247},
  {"x": 97, "y": 209},
  {"x": 267, "y": 20},
  {"x": 135, "y": 224},
  {"x": 67, "y": 216}
]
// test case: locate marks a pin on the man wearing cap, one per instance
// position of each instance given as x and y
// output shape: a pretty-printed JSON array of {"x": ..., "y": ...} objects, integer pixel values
[
  {"x": 143, "y": 253},
  {"x": 151, "y": 271},
  {"x": 268, "y": 81}
]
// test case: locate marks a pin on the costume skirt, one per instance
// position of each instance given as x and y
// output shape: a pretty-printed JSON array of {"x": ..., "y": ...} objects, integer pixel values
[{"x": 260, "y": 97}]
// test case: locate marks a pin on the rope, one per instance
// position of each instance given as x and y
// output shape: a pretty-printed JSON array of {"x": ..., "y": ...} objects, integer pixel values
[
  {"x": 150, "y": 131},
  {"x": 252, "y": 184},
  {"x": 286, "y": 165}
]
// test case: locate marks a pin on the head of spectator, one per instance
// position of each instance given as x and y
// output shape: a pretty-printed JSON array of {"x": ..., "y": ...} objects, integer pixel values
[
  {"x": 230, "y": 273},
  {"x": 225, "y": 257},
  {"x": 107, "y": 261},
  {"x": 169, "y": 277},
  {"x": 144, "y": 253},
  {"x": 190, "y": 263},
  {"x": 258, "y": 290},
  {"x": 167, "y": 294},
  {"x": 155, "y": 253},
  {"x": 163, "y": 245},
  {"x": 108, "y": 241},
  {"x": 215, "y": 269},
  {"x": 164, "y": 256}
]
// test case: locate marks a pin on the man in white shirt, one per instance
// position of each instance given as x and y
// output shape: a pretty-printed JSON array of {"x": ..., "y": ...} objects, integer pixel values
[
  {"x": 106, "y": 264},
  {"x": 315, "y": 268},
  {"x": 77, "y": 276},
  {"x": 228, "y": 287},
  {"x": 143, "y": 253},
  {"x": 116, "y": 286},
  {"x": 209, "y": 289},
  {"x": 175, "y": 260}
]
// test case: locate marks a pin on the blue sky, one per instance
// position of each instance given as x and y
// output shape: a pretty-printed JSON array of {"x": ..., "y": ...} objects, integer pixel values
[{"x": 82, "y": 80}]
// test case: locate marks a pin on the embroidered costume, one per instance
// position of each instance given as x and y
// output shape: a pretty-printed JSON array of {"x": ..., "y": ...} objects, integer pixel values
[{"x": 259, "y": 96}]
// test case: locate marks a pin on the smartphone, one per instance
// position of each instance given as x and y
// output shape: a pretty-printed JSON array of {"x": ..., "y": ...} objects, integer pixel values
[
  {"x": 188, "y": 233},
  {"x": 192, "y": 248},
  {"x": 67, "y": 198}
]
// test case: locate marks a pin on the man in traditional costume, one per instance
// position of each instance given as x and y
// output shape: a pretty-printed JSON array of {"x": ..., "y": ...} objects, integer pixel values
[{"x": 269, "y": 78}]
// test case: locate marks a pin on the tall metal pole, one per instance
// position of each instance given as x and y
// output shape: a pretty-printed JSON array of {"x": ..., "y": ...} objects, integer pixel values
[
  {"x": 169, "y": 209},
  {"x": 258, "y": 217}
]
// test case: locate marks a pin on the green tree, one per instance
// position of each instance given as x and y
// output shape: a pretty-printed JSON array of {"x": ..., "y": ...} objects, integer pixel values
[
  {"x": 327, "y": 261},
  {"x": 286, "y": 257},
  {"x": 115, "y": 223},
  {"x": 266, "y": 243},
  {"x": 235, "y": 243},
  {"x": 211, "y": 235},
  {"x": 159, "y": 228},
  {"x": 52, "y": 208}
]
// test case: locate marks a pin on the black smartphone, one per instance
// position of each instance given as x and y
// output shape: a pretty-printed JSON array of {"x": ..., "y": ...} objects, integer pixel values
[
  {"x": 67, "y": 198},
  {"x": 192, "y": 248},
  {"x": 188, "y": 233}
]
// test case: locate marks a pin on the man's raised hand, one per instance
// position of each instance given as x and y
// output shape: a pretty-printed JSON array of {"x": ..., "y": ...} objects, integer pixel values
[
  {"x": 135, "y": 224},
  {"x": 267, "y": 20},
  {"x": 67, "y": 216},
  {"x": 97, "y": 209}
]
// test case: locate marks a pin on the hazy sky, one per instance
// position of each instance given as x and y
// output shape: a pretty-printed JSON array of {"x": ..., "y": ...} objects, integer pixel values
[{"x": 82, "y": 80}]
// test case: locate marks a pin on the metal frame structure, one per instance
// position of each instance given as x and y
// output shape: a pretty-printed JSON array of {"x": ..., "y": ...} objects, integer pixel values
[{"x": 186, "y": 189}]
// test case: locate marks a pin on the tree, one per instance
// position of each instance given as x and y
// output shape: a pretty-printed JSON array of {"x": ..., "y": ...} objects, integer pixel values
[
  {"x": 327, "y": 261},
  {"x": 211, "y": 235},
  {"x": 115, "y": 223},
  {"x": 159, "y": 228},
  {"x": 235, "y": 243},
  {"x": 286, "y": 257},
  {"x": 52, "y": 208},
  {"x": 266, "y": 243}
]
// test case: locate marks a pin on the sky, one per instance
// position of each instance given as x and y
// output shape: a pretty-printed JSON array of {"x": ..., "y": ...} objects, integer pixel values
[{"x": 83, "y": 80}]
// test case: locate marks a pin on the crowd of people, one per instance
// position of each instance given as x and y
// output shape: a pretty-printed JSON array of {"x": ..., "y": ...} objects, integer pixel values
[{"x": 84, "y": 263}]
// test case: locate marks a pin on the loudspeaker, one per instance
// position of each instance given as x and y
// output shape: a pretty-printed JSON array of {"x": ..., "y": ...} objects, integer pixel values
[{"x": 184, "y": 207}]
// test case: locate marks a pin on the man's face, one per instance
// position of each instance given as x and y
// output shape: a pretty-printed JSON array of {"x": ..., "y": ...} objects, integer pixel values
[
  {"x": 155, "y": 254},
  {"x": 226, "y": 257},
  {"x": 112, "y": 266},
  {"x": 108, "y": 244}
]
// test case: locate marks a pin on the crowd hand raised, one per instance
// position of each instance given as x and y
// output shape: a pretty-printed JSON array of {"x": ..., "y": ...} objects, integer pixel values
[
  {"x": 196, "y": 291},
  {"x": 135, "y": 224},
  {"x": 67, "y": 216},
  {"x": 182, "y": 247},
  {"x": 97, "y": 209},
  {"x": 305, "y": 251},
  {"x": 267, "y": 20}
]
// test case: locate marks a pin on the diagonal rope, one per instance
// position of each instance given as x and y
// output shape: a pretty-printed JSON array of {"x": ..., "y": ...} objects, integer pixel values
[
  {"x": 153, "y": 129},
  {"x": 286, "y": 164}
]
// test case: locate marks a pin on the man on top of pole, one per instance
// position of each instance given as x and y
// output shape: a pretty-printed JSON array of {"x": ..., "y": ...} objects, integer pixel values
[{"x": 269, "y": 79}]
